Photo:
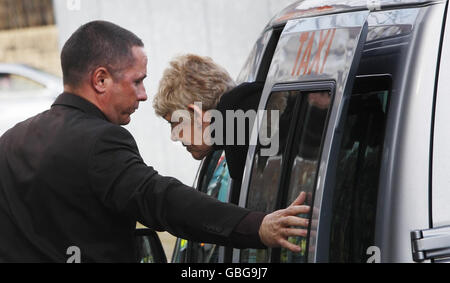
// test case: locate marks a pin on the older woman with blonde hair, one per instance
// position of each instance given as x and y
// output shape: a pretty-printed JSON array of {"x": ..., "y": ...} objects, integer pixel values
[
  {"x": 191, "y": 87},
  {"x": 194, "y": 84},
  {"x": 191, "y": 78}
]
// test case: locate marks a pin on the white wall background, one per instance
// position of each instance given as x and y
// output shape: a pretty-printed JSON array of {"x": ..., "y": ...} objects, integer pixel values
[{"x": 225, "y": 30}]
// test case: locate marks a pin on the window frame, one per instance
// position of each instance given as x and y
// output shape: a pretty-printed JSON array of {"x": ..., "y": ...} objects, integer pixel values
[
  {"x": 191, "y": 255},
  {"x": 283, "y": 191},
  {"x": 286, "y": 164},
  {"x": 362, "y": 83},
  {"x": 354, "y": 28}
]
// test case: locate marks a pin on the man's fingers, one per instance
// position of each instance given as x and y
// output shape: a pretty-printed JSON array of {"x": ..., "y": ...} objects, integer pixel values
[
  {"x": 295, "y": 232},
  {"x": 295, "y": 221},
  {"x": 300, "y": 199},
  {"x": 298, "y": 209},
  {"x": 290, "y": 246}
]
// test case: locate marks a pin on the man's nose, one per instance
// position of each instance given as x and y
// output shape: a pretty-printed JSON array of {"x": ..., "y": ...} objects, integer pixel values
[{"x": 142, "y": 96}]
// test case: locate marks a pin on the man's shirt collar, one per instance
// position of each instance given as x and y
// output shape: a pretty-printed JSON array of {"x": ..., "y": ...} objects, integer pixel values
[{"x": 75, "y": 101}]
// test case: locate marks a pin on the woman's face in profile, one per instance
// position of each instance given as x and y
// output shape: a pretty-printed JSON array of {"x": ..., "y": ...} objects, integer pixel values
[{"x": 190, "y": 133}]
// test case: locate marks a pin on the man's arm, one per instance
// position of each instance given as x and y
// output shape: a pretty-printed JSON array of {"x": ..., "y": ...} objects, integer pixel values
[{"x": 124, "y": 184}]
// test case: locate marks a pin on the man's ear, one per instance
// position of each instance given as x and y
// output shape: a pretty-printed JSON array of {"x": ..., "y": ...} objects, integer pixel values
[
  {"x": 100, "y": 79},
  {"x": 197, "y": 111}
]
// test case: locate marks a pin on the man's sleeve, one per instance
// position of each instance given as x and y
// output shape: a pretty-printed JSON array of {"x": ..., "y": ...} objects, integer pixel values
[{"x": 126, "y": 185}]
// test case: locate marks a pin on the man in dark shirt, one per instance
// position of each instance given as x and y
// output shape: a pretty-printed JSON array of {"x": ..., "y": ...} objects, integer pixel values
[{"x": 72, "y": 176}]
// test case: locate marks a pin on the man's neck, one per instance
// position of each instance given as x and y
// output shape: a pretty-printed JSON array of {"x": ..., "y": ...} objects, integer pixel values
[{"x": 84, "y": 93}]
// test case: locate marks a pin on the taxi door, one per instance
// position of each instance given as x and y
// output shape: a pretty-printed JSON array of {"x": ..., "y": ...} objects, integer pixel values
[{"x": 309, "y": 81}]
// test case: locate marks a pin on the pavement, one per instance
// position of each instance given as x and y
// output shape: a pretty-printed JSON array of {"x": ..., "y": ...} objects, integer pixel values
[{"x": 168, "y": 243}]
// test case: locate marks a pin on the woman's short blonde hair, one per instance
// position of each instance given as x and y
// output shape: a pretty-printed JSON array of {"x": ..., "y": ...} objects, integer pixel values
[{"x": 189, "y": 79}]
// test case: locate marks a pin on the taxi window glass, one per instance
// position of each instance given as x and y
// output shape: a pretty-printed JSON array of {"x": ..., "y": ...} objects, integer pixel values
[
  {"x": 307, "y": 147},
  {"x": 358, "y": 169},
  {"x": 180, "y": 251},
  {"x": 266, "y": 172},
  {"x": 216, "y": 183}
]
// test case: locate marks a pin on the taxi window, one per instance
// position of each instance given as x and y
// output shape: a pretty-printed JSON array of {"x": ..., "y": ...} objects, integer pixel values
[
  {"x": 305, "y": 159},
  {"x": 355, "y": 195},
  {"x": 214, "y": 182},
  {"x": 217, "y": 179},
  {"x": 266, "y": 172}
]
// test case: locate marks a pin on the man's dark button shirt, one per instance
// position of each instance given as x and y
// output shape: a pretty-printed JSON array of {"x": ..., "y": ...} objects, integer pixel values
[{"x": 71, "y": 178}]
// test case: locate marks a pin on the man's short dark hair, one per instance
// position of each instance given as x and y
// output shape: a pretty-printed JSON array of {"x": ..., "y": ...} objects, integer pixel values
[{"x": 97, "y": 44}]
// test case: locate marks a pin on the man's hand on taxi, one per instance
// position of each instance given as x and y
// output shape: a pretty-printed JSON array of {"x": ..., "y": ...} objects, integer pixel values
[{"x": 277, "y": 227}]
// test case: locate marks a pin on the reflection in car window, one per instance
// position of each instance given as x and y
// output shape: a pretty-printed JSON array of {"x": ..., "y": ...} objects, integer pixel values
[
  {"x": 180, "y": 251},
  {"x": 358, "y": 170},
  {"x": 307, "y": 146},
  {"x": 11, "y": 84},
  {"x": 266, "y": 172},
  {"x": 215, "y": 183}
]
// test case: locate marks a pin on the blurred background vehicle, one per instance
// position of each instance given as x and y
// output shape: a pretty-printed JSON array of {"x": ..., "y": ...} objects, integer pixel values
[{"x": 24, "y": 92}]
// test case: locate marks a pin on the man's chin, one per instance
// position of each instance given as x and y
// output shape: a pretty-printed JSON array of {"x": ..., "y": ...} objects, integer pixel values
[{"x": 125, "y": 121}]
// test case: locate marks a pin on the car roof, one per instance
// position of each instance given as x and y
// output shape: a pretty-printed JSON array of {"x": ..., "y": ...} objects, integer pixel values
[
  {"x": 30, "y": 72},
  {"x": 309, "y": 8}
]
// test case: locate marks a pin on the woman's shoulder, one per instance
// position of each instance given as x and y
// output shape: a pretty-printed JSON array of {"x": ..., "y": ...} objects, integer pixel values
[{"x": 245, "y": 96}]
